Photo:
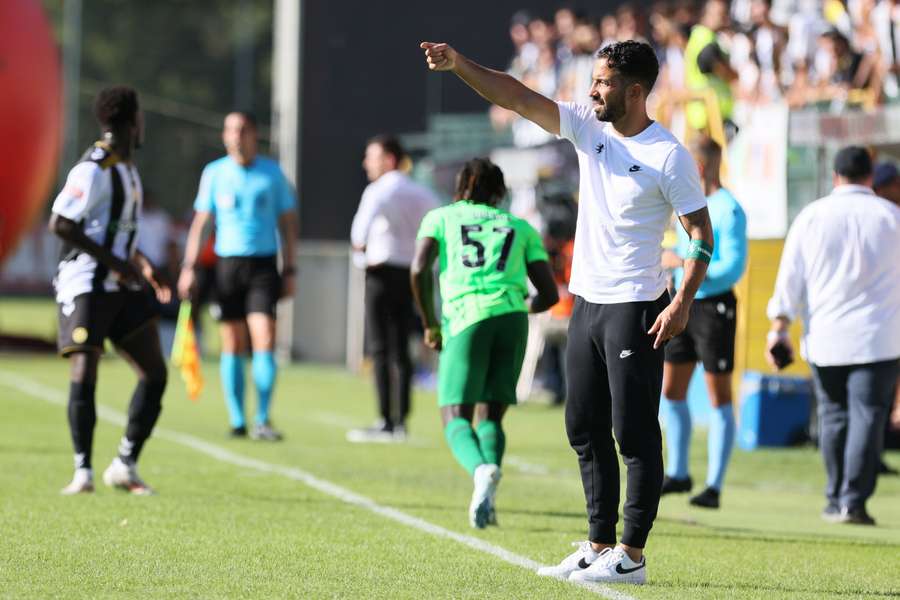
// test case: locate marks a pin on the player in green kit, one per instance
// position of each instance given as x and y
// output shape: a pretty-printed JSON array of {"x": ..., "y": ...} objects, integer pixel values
[{"x": 486, "y": 257}]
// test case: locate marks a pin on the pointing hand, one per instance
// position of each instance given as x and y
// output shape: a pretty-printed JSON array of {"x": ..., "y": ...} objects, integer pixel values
[{"x": 439, "y": 56}]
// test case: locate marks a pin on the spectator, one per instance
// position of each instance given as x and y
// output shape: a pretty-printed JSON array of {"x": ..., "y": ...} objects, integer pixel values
[
  {"x": 840, "y": 68},
  {"x": 839, "y": 273},
  {"x": 565, "y": 21},
  {"x": 707, "y": 65},
  {"x": 576, "y": 75},
  {"x": 768, "y": 42},
  {"x": 384, "y": 232}
]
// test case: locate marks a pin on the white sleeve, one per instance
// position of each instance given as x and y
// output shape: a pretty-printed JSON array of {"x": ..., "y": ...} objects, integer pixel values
[
  {"x": 80, "y": 192},
  {"x": 789, "y": 296},
  {"x": 572, "y": 118},
  {"x": 362, "y": 220},
  {"x": 681, "y": 182}
]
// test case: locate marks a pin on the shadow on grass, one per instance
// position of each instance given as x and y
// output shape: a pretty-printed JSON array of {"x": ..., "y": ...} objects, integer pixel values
[
  {"x": 781, "y": 591},
  {"x": 764, "y": 536}
]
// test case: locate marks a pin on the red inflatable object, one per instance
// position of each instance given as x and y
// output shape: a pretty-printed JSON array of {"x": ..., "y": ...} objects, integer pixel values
[{"x": 30, "y": 117}]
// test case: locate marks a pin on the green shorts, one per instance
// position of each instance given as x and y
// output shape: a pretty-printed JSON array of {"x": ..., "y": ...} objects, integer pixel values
[{"x": 482, "y": 362}]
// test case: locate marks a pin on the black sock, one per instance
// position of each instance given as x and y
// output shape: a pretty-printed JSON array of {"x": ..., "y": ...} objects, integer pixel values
[
  {"x": 82, "y": 418},
  {"x": 146, "y": 404}
]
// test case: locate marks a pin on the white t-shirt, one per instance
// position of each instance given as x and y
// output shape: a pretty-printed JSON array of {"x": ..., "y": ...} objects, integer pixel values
[
  {"x": 91, "y": 199},
  {"x": 388, "y": 218},
  {"x": 840, "y": 274},
  {"x": 628, "y": 188}
]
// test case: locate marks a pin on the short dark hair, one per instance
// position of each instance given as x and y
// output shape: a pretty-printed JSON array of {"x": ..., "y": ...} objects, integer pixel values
[
  {"x": 248, "y": 116},
  {"x": 635, "y": 61},
  {"x": 836, "y": 37},
  {"x": 853, "y": 162},
  {"x": 480, "y": 181},
  {"x": 707, "y": 150},
  {"x": 390, "y": 144},
  {"x": 116, "y": 107}
]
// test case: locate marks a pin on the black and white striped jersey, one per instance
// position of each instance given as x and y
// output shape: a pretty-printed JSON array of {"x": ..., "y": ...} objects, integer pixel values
[{"x": 103, "y": 195}]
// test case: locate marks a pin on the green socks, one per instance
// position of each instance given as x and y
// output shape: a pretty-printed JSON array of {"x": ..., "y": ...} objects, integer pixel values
[
  {"x": 492, "y": 441},
  {"x": 464, "y": 444}
]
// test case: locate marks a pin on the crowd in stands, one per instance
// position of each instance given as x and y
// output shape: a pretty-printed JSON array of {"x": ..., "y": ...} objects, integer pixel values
[{"x": 756, "y": 51}]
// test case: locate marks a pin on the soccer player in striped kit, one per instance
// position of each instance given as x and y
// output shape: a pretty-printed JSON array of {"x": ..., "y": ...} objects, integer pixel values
[{"x": 101, "y": 289}]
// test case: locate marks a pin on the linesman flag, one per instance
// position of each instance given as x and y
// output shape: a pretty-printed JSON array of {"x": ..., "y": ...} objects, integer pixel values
[{"x": 185, "y": 356}]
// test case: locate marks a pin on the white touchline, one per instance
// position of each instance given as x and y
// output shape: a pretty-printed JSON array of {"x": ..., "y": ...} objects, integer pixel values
[
  {"x": 57, "y": 397},
  {"x": 524, "y": 466}
]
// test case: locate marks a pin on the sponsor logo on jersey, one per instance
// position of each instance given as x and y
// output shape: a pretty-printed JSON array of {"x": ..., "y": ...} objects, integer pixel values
[
  {"x": 634, "y": 169},
  {"x": 73, "y": 191},
  {"x": 122, "y": 226}
]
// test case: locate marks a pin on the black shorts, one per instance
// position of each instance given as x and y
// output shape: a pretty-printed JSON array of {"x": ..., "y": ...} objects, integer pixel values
[
  {"x": 709, "y": 336},
  {"x": 247, "y": 284},
  {"x": 93, "y": 317}
]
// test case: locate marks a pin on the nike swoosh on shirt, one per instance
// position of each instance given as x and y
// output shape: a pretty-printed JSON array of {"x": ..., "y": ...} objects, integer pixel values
[
  {"x": 622, "y": 571},
  {"x": 634, "y": 169}
]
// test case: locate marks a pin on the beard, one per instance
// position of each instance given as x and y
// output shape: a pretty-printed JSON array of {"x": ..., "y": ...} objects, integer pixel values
[{"x": 609, "y": 111}]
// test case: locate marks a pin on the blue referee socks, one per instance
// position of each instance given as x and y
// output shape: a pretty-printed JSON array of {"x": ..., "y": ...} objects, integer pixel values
[
  {"x": 231, "y": 370},
  {"x": 721, "y": 440},
  {"x": 264, "y": 369},
  {"x": 678, "y": 438}
]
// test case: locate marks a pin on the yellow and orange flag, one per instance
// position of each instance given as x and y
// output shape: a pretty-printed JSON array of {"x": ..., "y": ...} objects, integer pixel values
[{"x": 185, "y": 356}]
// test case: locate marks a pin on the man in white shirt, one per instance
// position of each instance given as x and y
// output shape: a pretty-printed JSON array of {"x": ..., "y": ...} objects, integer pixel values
[
  {"x": 384, "y": 236},
  {"x": 632, "y": 174},
  {"x": 840, "y": 274}
]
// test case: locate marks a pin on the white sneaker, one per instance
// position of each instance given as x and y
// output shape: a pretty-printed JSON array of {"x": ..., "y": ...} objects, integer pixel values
[
  {"x": 125, "y": 477},
  {"x": 486, "y": 479},
  {"x": 579, "y": 560},
  {"x": 82, "y": 483},
  {"x": 613, "y": 567},
  {"x": 379, "y": 433}
]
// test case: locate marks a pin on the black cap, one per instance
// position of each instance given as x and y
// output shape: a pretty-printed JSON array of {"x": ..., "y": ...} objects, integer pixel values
[
  {"x": 853, "y": 162},
  {"x": 883, "y": 174}
]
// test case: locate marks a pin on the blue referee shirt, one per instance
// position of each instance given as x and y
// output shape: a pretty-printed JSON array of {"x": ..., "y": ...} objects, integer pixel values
[
  {"x": 729, "y": 257},
  {"x": 246, "y": 203}
]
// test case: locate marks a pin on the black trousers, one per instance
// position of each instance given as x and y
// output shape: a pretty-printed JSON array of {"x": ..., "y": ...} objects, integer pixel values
[
  {"x": 614, "y": 385},
  {"x": 389, "y": 319}
]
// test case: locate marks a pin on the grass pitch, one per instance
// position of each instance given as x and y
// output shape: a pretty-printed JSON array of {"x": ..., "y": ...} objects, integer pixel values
[{"x": 217, "y": 529}]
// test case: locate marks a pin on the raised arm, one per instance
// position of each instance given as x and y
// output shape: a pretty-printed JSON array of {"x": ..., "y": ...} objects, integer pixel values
[
  {"x": 494, "y": 86},
  {"x": 674, "y": 318}
]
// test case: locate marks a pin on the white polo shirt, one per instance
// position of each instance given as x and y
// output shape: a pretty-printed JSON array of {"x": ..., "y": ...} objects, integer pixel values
[
  {"x": 840, "y": 273},
  {"x": 628, "y": 189},
  {"x": 387, "y": 220}
]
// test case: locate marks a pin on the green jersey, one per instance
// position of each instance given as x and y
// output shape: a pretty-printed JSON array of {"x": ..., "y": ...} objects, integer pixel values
[{"x": 484, "y": 253}]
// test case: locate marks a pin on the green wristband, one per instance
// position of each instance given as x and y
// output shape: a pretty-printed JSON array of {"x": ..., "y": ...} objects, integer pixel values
[{"x": 699, "y": 250}]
